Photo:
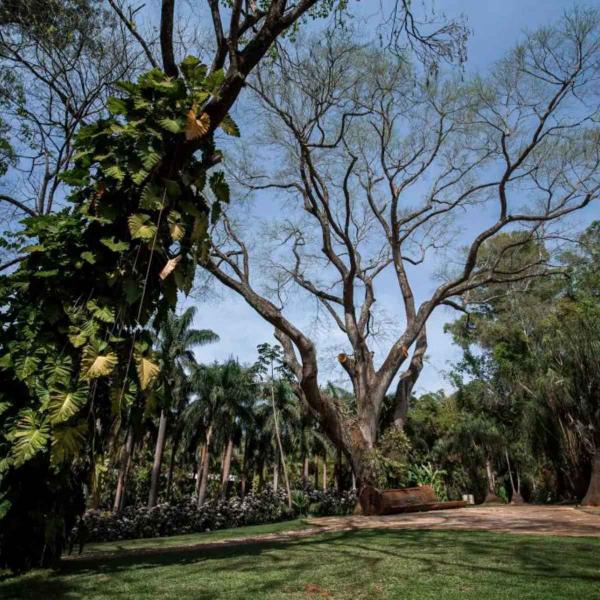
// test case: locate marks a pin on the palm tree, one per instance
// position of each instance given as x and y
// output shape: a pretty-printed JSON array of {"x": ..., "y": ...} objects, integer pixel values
[
  {"x": 199, "y": 418},
  {"x": 175, "y": 344}
]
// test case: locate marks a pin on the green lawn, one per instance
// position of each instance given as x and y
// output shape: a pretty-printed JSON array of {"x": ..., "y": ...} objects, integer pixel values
[
  {"x": 193, "y": 538},
  {"x": 346, "y": 565}
]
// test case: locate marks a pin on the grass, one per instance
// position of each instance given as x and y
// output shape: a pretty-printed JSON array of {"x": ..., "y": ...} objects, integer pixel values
[
  {"x": 363, "y": 564},
  {"x": 192, "y": 539}
]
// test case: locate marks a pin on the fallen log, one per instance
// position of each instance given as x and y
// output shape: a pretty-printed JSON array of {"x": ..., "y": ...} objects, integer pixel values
[{"x": 393, "y": 501}]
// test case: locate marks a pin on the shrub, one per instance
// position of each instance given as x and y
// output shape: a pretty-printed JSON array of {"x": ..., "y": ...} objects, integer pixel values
[
  {"x": 331, "y": 503},
  {"x": 175, "y": 519}
]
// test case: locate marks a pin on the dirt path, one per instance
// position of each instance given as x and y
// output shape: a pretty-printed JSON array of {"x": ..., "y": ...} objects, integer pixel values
[
  {"x": 542, "y": 520},
  {"x": 546, "y": 520}
]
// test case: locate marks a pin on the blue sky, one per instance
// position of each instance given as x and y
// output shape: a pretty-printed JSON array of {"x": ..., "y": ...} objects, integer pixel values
[{"x": 496, "y": 27}]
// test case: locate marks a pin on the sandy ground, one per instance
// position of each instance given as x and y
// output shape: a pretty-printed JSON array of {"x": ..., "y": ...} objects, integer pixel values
[{"x": 526, "y": 519}]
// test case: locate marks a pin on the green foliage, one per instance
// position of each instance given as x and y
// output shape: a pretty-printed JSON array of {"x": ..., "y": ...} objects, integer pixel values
[{"x": 74, "y": 344}]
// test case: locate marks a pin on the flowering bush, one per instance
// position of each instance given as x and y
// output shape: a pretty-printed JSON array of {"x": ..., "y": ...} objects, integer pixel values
[
  {"x": 175, "y": 519},
  {"x": 331, "y": 502}
]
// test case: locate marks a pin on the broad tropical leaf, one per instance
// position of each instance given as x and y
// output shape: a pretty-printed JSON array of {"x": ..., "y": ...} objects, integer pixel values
[
  {"x": 115, "y": 245},
  {"x": 95, "y": 365},
  {"x": 64, "y": 404},
  {"x": 30, "y": 436},
  {"x": 147, "y": 371},
  {"x": 105, "y": 314},
  {"x": 172, "y": 125},
  {"x": 67, "y": 442},
  {"x": 25, "y": 366},
  {"x": 229, "y": 126},
  {"x": 141, "y": 227}
]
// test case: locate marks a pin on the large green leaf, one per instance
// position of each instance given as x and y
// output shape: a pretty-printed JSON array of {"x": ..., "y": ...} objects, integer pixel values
[
  {"x": 229, "y": 126},
  {"x": 67, "y": 442},
  {"x": 219, "y": 186},
  {"x": 141, "y": 227},
  {"x": 66, "y": 403},
  {"x": 30, "y": 436},
  {"x": 115, "y": 245},
  {"x": 106, "y": 314}
]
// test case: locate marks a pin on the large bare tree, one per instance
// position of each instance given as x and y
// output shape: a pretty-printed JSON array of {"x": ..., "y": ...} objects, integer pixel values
[{"x": 382, "y": 168}]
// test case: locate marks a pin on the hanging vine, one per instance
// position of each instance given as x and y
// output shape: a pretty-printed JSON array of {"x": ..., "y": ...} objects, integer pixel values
[{"x": 74, "y": 349}]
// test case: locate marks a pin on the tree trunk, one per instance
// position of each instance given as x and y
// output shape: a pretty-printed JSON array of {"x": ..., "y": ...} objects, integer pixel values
[
  {"x": 516, "y": 497},
  {"x": 407, "y": 380},
  {"x": 592, "y": 497},
  {"x": 491, "y": 497},
  {"x": 305, "y": 471},
  {"x": 338, "y": 471},
  {"x": 324, "y": 473},
  {"x": 276, "y": 473},
  {"x": 316, "y": 473},
  {"x": 123, "y": 469},
  {"x": 174, "y": 448},
  {"x": 201, "y": 451},
  {"x": 158, "y": 454},
  {"x": 226, "y": 469},
  {"x": 279, "y": 444},
  {"x": 205, "y": 468}
]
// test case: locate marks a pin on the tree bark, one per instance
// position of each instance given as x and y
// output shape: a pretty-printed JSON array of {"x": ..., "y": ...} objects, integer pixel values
[
  {"x": 305, "y": 471},
  {"x": 408, "y": 379},
  {"x": 174, "y": 448},
  {"x": 491, "y": 497},
  {"x": 126, "y": 452},
  {"x": 516, "y": 497},
  {"x": 279, "y": 444},
  {"x": 226, "y": 469},
  {"x": 201, "y": 451},
  {"x": 324, "y": 473},
  {"x": 338, "y": 471},
  {"x": 205, "y": 468},
  {"x": 592, "y": 497},
  {"x": 158, "y": 454},
  {"x": 276, "y": 473}
]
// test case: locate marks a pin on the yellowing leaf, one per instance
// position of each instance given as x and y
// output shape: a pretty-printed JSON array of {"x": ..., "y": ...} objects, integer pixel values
[
  {"x": 146, "y": 370},
  {"x": 196, "y": 127},
  {"x": 169, "y": 267},
  {"x": 140, "y": 227},
  {"x": 95, "y": 365},
  {"x": 177, "y": 231}
]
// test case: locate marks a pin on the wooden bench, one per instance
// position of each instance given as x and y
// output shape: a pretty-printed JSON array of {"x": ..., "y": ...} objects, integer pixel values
[{"x": 394, "y": 501}]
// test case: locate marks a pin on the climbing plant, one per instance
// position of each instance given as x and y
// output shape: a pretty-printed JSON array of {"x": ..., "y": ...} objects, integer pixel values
[{"x": 75, "y": 351}]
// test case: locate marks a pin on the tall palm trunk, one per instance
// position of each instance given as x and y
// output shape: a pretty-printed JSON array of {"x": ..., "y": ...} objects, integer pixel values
[
  {"x": 276, "y": 473},
  {"x": 279, "y": 444},
  {"x": 226, "y": 468},
  {"x": 126, "y": 452},
  {"x": 158, "y": 454},
  {"x": 338, "y": 471},
  {"x": 205, "y": 467},
  {"x": 201, "y": 452},
  {"x": 305, "y": 471},
  {"x": 174, "y": 449},
  {"x": 324, "y": 473},
  {"x": 316, "y": 472}
]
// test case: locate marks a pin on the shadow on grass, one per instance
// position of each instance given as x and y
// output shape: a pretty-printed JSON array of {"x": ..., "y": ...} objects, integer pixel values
[{"x": 470, "y": 554}]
